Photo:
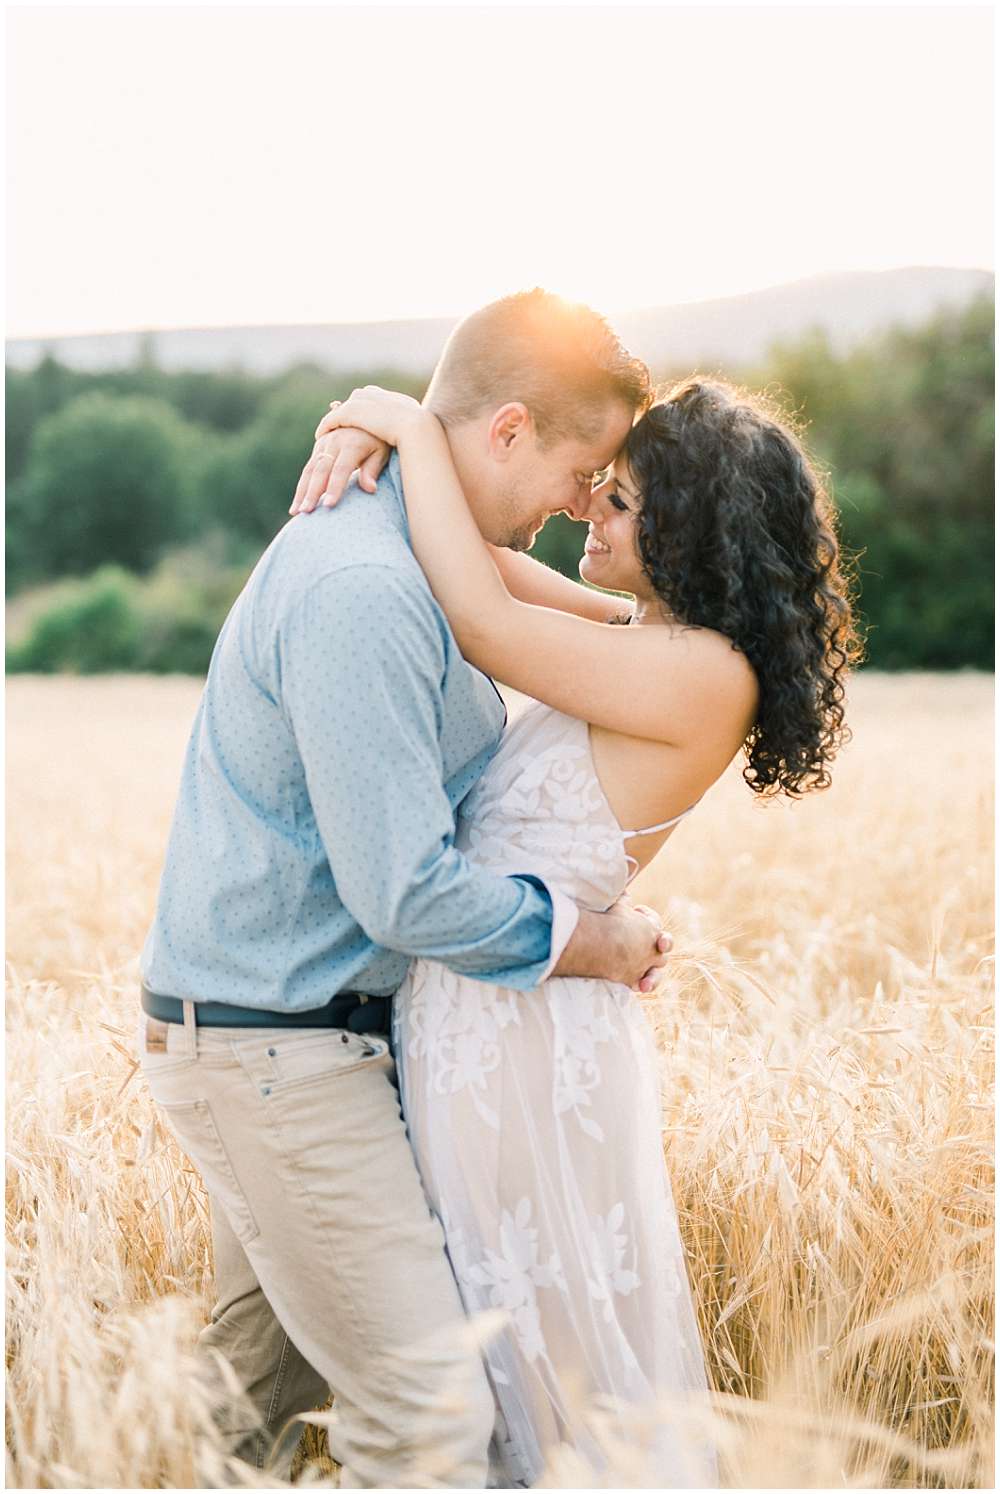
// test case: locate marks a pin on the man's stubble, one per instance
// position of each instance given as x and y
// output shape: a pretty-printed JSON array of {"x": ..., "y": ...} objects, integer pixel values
[{"x": 514, "y": 531}]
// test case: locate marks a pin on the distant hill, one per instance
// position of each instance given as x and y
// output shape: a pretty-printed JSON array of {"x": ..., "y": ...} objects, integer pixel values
[{"x": 728, "y": 332}]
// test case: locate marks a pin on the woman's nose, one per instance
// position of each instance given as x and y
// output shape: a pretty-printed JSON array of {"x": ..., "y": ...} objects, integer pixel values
[{"x": 594, "y": 505}]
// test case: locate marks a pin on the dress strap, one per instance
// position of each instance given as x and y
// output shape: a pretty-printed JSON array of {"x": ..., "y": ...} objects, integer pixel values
[{"x": 627, "y": 834}]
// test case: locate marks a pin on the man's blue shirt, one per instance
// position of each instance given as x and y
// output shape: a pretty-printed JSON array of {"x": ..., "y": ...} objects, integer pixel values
[{"x": 339, "y": 729}]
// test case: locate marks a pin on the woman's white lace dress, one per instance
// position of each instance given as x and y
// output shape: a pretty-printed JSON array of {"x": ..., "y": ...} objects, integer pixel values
[{"x": 535, "y": 1117}]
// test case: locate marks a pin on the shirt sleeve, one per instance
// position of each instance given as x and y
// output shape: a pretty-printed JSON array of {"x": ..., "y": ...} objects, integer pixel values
[{"x": 362, "y": 656}]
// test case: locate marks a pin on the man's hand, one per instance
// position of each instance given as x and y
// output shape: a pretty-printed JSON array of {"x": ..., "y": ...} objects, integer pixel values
[
  {"x": 626, "y": 944},
  {"x": 335, "y": 456}
]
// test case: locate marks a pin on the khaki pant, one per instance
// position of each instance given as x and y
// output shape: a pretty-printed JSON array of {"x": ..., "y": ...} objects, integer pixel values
[{"x": 330, "y": 1267}]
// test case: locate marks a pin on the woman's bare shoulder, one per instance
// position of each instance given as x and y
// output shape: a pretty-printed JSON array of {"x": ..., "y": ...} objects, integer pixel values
[{"x": 711, "y": 655}]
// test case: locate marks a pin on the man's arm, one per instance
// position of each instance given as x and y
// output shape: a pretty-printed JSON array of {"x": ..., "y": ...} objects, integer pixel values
[{"x": 362, "y": 658}]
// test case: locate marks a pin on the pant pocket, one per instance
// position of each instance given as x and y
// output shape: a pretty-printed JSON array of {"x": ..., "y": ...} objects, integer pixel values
[
  {"x": 195, "y": 1129},
  {"x": 289, "y": 1063}
]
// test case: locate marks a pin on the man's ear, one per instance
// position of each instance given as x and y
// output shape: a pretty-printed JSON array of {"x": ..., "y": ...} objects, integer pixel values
[{"x": 510, "y": 425}]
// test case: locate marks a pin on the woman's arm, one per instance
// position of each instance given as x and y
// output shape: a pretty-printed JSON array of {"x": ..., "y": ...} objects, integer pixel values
[
  {"x": 658, "y": 682},
  {"x": 532, "y": 581},
  {"x": 337, "y": 454}
]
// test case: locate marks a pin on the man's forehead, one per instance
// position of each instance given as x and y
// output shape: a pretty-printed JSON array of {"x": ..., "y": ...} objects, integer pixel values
[
  {"x": 606, "y": 455},
  {"x": 603, "y": 451}
]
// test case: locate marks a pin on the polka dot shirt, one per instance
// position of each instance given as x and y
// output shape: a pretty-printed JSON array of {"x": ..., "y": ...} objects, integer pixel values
[{"x": 312, "y": 846}]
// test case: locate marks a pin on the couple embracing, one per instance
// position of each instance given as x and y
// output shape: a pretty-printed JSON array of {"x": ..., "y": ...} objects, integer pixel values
[{"x": 391, "y": 995}]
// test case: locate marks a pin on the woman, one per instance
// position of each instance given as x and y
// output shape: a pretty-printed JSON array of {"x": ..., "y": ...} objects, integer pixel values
[{"x": 536, "y": 1119}]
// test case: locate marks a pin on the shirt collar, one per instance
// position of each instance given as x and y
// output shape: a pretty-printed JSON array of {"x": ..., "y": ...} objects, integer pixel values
[{"x": 395, "y": 477}]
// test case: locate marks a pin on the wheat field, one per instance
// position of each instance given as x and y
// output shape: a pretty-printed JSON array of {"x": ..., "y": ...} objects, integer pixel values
[{"x": 826, "y": 1032}]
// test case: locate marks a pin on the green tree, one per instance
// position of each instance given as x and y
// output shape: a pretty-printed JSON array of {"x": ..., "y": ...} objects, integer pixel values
[
  {"x": 96, "y": 628},
  {"x": 905, "y": 426},
  {"x": 125, "y": 464},
  {"x": 249, "y": 482},
  {"x": 560, "y": 545},
  {"x": 30, "y": 396},
  {"x": 165, "y": 623},
  {"x": 107, "y": 480}
]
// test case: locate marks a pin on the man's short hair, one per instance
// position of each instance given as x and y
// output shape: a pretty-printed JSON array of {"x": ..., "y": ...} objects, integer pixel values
[{"x": 560, "y": 359}]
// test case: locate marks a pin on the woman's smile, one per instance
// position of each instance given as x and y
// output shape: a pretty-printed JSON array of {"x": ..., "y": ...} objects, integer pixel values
[{"x": 595, "y": 546}]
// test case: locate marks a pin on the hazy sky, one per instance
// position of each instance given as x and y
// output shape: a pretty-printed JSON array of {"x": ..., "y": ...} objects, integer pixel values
[{"x": 219, "y": 165}]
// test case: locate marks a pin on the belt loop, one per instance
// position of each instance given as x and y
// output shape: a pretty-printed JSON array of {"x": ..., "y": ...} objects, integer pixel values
[{"x": 190, "y": 1030}]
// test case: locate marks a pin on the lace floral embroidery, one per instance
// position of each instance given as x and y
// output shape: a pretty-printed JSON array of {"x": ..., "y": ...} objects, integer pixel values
[
  {"x": 455, "y": 1027},
  {"x": 582, "y": 1023},
  {"x": 610, "y": 1276},
  {"x": 513, "y": 1275},
  {"x": 535, "y": 1117}
]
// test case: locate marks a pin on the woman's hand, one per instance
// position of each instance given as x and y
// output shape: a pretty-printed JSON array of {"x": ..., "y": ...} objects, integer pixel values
[
  {"x": 355, "y": 434},
  {"x": 380, "y": 412},
  {"x": 334, "y": 458}
]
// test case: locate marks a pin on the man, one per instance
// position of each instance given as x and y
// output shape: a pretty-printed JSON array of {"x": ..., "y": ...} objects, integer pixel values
[{"x": 311, "y": 856}]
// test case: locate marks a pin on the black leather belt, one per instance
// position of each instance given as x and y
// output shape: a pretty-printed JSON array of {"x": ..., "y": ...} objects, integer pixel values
[{"x": 350, "y": 1009}]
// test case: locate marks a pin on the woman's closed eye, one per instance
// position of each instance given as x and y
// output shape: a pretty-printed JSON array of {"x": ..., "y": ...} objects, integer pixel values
[{"x": 617, "y": 503}]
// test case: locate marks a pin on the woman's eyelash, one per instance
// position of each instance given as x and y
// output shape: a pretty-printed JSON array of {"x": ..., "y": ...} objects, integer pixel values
[{"x": 616, "y": 502}]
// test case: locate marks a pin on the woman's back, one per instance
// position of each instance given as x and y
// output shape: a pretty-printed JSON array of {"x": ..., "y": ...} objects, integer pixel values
[{"x": 541, "y": 806}]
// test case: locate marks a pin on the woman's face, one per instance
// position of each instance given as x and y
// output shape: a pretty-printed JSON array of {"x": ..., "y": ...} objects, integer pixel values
[{"x": 611, "y": 557}]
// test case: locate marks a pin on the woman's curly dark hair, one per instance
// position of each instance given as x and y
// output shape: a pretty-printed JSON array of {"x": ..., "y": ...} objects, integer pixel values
[{"x": 737, "y": 533}]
